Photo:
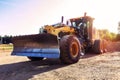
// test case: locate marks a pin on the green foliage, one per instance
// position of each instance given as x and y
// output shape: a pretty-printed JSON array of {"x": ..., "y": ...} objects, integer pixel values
[
  {"x": 6, "y": 47},
  {"x": 105, "y": 34},
  {"x": 118, "y": 27},
  {"x": 5, "y": 39}
]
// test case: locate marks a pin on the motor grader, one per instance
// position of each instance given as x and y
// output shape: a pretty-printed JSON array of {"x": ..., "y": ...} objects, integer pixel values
[{"x": 65, "y": 41}]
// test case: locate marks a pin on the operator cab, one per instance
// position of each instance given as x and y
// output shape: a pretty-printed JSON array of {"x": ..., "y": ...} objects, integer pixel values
[
  {"x": 84, "y": 29},
  {"x": 81, "y": 26}
]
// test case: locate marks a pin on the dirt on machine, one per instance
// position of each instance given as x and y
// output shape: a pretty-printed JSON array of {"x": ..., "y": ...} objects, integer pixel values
[{"x": 65, "y": 41}]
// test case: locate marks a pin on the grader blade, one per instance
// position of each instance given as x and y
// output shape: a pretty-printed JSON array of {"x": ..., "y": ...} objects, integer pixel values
[{"x": 38, "y": 45}]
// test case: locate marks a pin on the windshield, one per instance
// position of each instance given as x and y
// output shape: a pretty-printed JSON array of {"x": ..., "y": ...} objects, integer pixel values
[{"x": 78, "y": 22}]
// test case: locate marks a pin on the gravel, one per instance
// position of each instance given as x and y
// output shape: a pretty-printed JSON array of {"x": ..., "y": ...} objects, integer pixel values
[{"x": 90, "y": 67}]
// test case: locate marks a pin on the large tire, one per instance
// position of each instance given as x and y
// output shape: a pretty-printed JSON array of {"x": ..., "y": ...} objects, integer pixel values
[
  {"x": 69, "y": 49},
  {"x": 35, "y": 58},
  {"x": 98, "y": 46}
]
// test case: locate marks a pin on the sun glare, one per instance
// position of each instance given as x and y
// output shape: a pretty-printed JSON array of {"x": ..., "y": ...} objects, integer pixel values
[{"x": 32, "y": 15}]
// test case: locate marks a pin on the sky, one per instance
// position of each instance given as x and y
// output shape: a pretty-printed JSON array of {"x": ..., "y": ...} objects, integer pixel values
[{"x": 23, "y": 17}]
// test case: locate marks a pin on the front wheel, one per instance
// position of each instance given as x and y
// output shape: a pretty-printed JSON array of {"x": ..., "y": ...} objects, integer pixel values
[{"x": 69, "y": 49}]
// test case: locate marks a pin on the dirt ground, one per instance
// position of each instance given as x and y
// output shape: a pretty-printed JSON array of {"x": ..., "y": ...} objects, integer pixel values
[{"x": 90, "y": 67}]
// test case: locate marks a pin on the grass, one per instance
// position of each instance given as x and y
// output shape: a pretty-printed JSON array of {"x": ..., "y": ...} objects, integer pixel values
[{"x": 6, "y": 47}]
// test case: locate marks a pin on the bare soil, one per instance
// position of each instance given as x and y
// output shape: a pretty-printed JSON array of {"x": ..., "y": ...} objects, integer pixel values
[{"x": 90, "y": 67}]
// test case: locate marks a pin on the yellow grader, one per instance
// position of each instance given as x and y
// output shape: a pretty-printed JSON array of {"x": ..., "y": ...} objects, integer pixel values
[{"x": 65, "y": 41}]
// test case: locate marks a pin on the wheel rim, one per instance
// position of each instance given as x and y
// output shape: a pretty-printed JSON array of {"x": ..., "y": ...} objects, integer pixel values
[{"x": 74, "y": 49}]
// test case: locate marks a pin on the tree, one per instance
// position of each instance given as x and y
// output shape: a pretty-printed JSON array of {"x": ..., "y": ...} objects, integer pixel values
[
  {"x": 6, "y": 39},
  {"x": 119, "y": 28},
  {"x": 0, "y": 39},
  {"x": 118, "y": 35},
  {"x": 105, "y": 34}
]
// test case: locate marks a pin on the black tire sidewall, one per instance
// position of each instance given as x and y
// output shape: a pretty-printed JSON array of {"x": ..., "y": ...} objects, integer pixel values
[
  {"x": 98, "y": 46},
  {"x": 65, "y": 55}
]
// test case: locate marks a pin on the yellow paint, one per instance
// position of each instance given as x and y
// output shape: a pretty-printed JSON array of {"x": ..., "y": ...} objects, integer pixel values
[{"x": 56, "y": 30}]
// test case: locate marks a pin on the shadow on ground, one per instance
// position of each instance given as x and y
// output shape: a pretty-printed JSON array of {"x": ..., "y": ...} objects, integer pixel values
[
  {"x": 26, "y": 70},
  {"x": 89, "y": 54}
]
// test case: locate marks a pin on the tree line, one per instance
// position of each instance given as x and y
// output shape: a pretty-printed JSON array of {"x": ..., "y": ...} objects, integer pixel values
[
  {"x": 5, "y": 39},
  {"x": 105, "y": 34}
]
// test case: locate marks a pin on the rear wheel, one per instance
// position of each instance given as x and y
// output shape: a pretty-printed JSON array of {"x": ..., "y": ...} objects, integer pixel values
[
  {"x": 69, "y": 49},
  {"x": 98, "y": 46},
  {"x": 35, "y": 58}
]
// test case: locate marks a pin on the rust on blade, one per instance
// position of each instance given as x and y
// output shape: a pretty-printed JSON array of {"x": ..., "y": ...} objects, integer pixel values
[{"x": 35, "y": 41}]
